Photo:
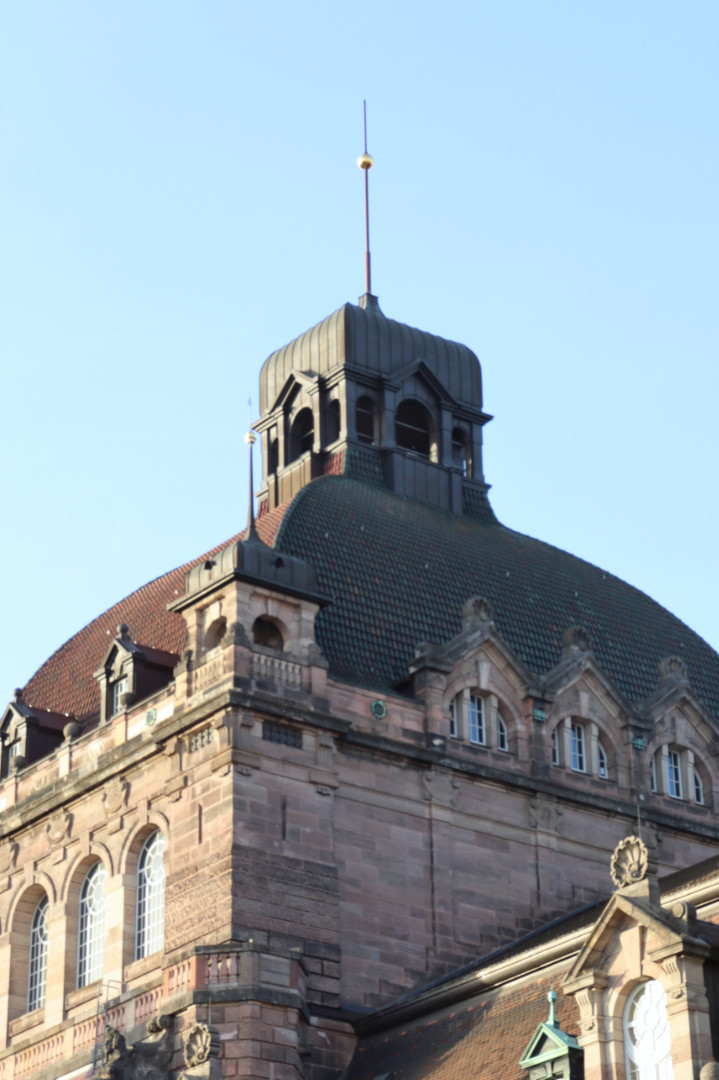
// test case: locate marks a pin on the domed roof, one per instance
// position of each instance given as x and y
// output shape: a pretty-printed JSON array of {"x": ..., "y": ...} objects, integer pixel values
[
  {"x": 363, "y": 338},
  {"x": 397, "y": 573}
]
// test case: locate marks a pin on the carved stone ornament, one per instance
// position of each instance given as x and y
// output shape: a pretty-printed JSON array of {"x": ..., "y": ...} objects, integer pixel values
[
  {"x": 440, "y": 786},
  {"x": 544, "y": 814},
  {"x": 59, "y": 826},
  {"x": 8, "y": 854},
  {"x": 201, "y": 1043},
  {"x": 477, "y": 610},
  {"x": 672, "y": 671},
  {"x": 115, "y": 796},
  {"x": 629, "y": 862}
]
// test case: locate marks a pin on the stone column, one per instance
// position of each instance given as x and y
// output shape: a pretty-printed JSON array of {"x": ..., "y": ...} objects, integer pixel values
[
  {"x": 682, "y": 964},
  {"x": 588, "y": 990}
]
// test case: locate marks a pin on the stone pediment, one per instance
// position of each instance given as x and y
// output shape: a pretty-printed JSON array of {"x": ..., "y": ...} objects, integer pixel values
[
  {"x": 295, "y": 381},
  {"x": 419, "y": 370},
  {"x": 478, "y": 634},
  {"x": 620, "y": 913}
]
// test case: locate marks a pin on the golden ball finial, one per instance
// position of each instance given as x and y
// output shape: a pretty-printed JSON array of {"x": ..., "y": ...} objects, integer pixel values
[{"x": 365, "y": 161}]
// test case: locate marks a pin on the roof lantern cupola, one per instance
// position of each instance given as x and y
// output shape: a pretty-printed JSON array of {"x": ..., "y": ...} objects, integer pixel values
[{"x": 361, "y": 395}]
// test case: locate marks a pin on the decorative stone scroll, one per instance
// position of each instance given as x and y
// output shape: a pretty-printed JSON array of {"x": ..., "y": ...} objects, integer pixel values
[
  {"x": 630, "y": 862},
  {"x": 201, "y": 1044}
]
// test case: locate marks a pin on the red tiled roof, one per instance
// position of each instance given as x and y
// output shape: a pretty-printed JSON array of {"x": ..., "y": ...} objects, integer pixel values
[
  {"x": 65, "y": 682},
  {"x": 482, "y": 1038}
]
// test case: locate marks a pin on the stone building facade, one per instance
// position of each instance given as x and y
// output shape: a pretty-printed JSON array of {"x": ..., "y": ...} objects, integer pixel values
[{"x": 274, "y": 792}]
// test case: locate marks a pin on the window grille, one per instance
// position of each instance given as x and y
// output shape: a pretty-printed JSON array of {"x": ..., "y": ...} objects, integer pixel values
[
  {"x": 150, "y": 932},
  {"x": 91, "y": 929},
  {"x": 280, "y": 733},
  {"x": 477, "y": 732},
  {"x": 647, "y": 1045},
  {"x": 674, "y": 774},
  {"x": 579, "y": 757},
  {"x": 37, "y": 976}
]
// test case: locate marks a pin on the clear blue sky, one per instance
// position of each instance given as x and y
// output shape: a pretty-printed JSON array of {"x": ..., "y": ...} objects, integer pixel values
[{"x": 179, "y": 197}]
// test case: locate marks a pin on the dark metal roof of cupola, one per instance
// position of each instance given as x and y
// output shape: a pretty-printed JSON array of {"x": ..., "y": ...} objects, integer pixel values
[{"x": 365, "y": 339}]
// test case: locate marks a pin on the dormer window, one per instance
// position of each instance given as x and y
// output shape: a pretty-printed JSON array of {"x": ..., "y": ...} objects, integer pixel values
[
  {"x": 133, "y": 669},
  {"x": 118, "y": 689},
  {"x": 674, "y": 772},
  {"x": 577, "y": 745},
  {"x": 476, "y": 718}
]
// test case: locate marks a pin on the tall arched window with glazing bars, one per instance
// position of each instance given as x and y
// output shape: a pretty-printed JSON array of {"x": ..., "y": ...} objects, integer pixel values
[
  {"x": 150, "y": 923},
  {"x": 37, "y": 973},
  {"x": 91, "y": 928}
]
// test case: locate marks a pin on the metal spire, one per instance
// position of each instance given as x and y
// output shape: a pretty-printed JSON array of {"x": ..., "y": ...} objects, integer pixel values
[
  {"x": 365, "y": 163},
  {"x": 251, "y": 531}
]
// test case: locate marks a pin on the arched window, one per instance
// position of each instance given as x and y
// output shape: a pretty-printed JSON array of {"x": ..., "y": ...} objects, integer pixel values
[
  {"x": 365, "y": 420},
  {"x": 476, "y": 718},
  {"x": 266, "y": 632},
  {"x": 602, "y": 763},
  {"x": 37, "y": 972},
  {"x": 698, "y": 789},
  {"x": 414, "y": 429},
  {"x": 150, "y": 923},
  {"x": 673, "y": 772},
  {"x": 647, "y": 1045},
  {"x": 91, "y": 926},
  {"x": 215, "y": 632},
  {"x": 302, "y": 434},
  {"x": 578, "y": 745}
]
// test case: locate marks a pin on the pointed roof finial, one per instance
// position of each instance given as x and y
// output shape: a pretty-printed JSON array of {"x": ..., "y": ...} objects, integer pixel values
[
  {"x": 552, "y": 999},
  {"x": 365, "y": 163},
  {"x": 251, "y": 531}
]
